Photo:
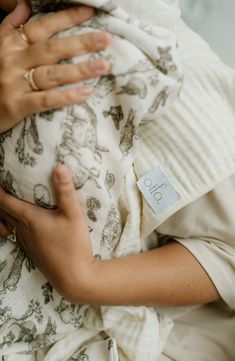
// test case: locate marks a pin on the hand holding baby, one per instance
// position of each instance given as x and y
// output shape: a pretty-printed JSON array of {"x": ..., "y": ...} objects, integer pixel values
[{"x": 33, "y": 46}]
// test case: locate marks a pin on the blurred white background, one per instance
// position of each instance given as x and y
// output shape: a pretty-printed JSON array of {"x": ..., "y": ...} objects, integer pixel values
[{"x": 215, "y": 21}]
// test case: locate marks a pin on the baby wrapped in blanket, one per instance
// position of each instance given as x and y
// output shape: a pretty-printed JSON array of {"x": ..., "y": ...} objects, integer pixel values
[{"x": 96, "y": 139}]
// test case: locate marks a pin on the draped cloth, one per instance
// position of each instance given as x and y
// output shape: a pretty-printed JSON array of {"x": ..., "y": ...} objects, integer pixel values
[{"x": 98, "y": 140}]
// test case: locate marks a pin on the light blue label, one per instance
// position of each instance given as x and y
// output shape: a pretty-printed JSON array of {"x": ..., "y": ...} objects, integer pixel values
[{"x": 158, "y": 190}]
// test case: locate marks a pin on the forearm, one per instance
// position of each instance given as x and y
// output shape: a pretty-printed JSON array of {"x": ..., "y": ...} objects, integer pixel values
[{"x": 167, "y": 276}]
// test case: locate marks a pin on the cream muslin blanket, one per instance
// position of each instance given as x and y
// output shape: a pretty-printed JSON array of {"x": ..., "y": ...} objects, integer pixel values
[{"x": 98, "y": 141}]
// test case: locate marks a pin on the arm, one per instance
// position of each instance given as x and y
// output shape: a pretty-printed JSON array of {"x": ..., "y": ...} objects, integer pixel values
[{"x": 168, "y": 276}]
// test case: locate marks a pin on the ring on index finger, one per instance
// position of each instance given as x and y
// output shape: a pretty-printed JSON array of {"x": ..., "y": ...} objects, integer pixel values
[{"x": 22, "y": 33}]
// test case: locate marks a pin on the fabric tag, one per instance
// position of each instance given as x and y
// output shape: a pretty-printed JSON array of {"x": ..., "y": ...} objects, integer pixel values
[{"x": 157, "y": 190}]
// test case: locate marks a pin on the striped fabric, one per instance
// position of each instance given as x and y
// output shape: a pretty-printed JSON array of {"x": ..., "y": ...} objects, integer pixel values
[{"x": 193, "y": 142}]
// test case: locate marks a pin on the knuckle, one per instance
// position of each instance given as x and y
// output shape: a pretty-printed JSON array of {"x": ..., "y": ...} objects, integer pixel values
[
  {"x": 83, "y": 71},
  {"x": 36, "y": 30},
  {"x": 45, "y": 101},
  {"x": 52, "y": 73},
  {"x": 30, "y": 32},
  {"x": 74, "y": 15},
  {"x": 55, "y": 99},
  {"x": 68, "y": 97},
  {"x": 57, "y": 49},
  {"x": 71, "y": 15},
  {"x": 51, "y": 46},
  {"x": 88, "y": 41},
  {"x": 44, "y": 25},
  {"x": 51, "y": 99},
  {"x": 96, "y": 40},
  {"x": 41, "y": 21}
]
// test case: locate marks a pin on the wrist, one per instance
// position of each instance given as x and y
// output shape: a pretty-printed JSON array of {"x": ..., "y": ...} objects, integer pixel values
[{"x": 78, "y": 284}]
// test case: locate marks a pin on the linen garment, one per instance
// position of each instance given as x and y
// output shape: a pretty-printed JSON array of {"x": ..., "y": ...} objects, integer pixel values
[
  {"x": 98, "y": 141},
  {"x": 206, "y": 228},
  {"x": 195, "y": 148}
]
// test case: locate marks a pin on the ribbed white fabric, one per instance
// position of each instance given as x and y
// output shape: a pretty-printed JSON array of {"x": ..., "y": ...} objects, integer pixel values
[{"x": 193, "y": 142}]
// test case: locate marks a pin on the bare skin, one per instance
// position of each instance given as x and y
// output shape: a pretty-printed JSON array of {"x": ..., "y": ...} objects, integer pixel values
[{"x": 43, "y": 51}]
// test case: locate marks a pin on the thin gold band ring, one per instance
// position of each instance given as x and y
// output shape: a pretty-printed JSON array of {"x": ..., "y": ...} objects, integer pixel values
[{"x": 30, "y": 79}]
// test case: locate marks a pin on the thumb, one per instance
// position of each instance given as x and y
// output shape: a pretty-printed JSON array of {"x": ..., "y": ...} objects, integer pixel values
[
  {"x": 17, "y": 17},
  {"x": 66, "y": 197}
]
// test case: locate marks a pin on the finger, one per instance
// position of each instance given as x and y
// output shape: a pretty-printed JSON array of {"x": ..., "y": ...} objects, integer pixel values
[
  {"x": 47, "y": 77},
  {"x": 44, "y": 27},
  {"x": 65, "y": 192},
  {"x": 15, "y": 208},
  {"x": 37, "y": 102},
  {"x": 56, "y": 49},
  {"x": 15, "y": 19}
]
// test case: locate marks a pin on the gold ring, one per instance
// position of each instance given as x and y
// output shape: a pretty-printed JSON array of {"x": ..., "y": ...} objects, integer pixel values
[
  {"x": 22, "y": 33},
  {"x": 30, "y": 79}
]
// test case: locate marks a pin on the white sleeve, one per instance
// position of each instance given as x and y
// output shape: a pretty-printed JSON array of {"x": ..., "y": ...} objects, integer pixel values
[
  {"x": 218, "y": 260},
  {"x": 206, "y": 228}
]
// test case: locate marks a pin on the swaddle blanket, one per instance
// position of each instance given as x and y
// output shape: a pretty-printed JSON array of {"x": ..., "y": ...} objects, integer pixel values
[
  {"x": 98, "y": 138},
  {"x": 98, "y": 141}
]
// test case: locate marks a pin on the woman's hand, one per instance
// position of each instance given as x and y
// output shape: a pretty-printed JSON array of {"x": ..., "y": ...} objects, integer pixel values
[
  {"x": 57, "y": 241},
  {"x": 42, "y": 51}
]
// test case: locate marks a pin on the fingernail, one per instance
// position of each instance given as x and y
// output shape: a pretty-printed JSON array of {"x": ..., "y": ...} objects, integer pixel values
[
  {"x": 85, "y": 91},
  {"x": 86, "y": 11},
  {"x": 100, "y": 66},
  {"x": 63, "y": 174},
  {"x": 100, "y": 38}
]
